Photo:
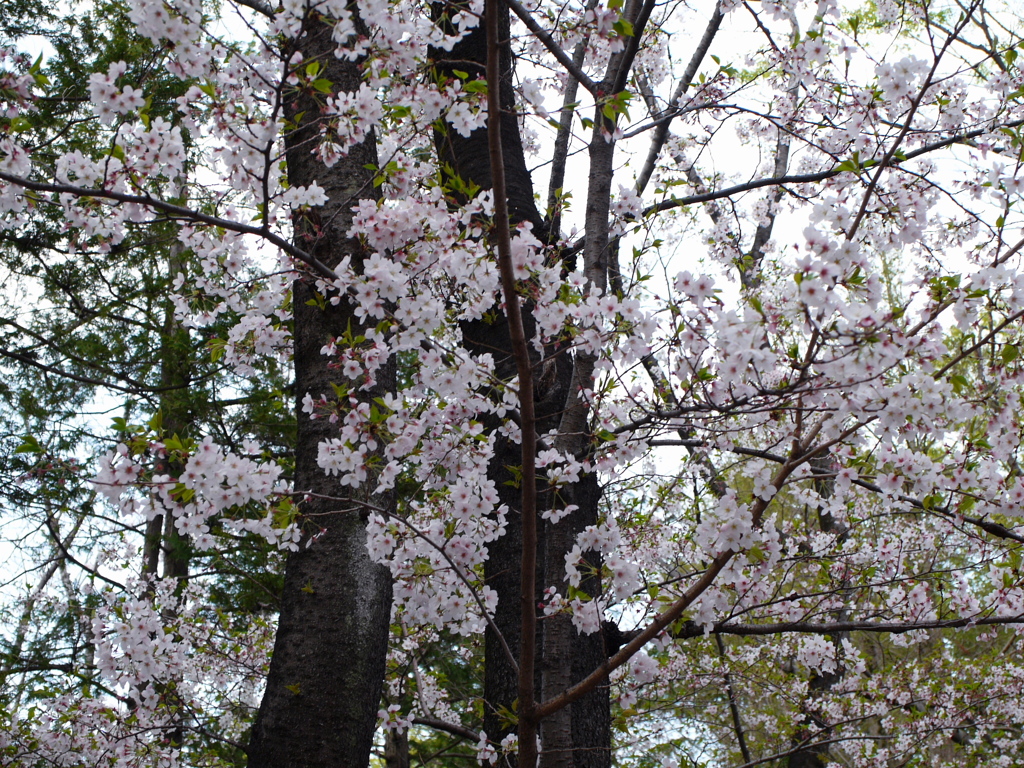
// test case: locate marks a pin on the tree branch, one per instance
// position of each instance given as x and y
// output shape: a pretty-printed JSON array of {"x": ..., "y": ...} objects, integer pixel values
[
  {"x": 892, "y": 628},
  {"x": 571, "y": 66},
  {"x": 733, "y": 706},
  {"x": 441, "y": 725},
  {"x": 659, "y": 623},
  {"x": 257, "y": 5},
  {"x": 661, "y": 131},
  {"x": 891, "y": 153},
  {"x": 175, "y": 212}
]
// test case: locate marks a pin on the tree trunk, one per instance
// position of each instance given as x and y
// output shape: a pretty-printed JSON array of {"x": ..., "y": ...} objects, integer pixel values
[
  {"x": 581, "y": 735},
  {"x": 467, "y": 162},
  {"x": 324, "y": 685},
  {"x": 578, "y": 736}
]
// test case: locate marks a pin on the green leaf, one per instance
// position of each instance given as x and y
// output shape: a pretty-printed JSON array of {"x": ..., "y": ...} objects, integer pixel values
[
  {"x": 852, "y": 165},
  {"x": 29, "y": 445},
  {"x": 323, "y": 85},
  {"x": 623, "y": 28},
  {"x": 1009, "y": 354},
  {"x": 216, "y": 347},
  {"x": 182, "y": 493}
]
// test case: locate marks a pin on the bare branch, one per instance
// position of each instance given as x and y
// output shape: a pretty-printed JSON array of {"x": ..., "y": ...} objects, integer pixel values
[
  {"x": 571, "y": 66},
  {"x": 257, "y": 5},
  {"x": 661, "y": 131},
  {"x": 441, "y": 725}
]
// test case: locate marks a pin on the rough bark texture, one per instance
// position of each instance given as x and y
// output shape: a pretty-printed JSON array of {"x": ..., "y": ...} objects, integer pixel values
[
  {"x": 323, "y": 690},
  {"x": 467, "y": 157},
  {"x": 501, "y": 572},
  {"x": 396, "y": 749}
]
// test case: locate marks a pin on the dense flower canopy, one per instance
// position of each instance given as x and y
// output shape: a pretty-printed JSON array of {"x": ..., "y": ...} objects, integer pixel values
[{"x": 743, "y": 390}]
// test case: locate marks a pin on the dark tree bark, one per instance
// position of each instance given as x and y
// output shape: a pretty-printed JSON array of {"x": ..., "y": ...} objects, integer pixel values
[
  {"x": 564, "y": 656},
  {"x": 467, "y": 158},
  {"x": 467, "y": 161},
  {"x": 324, "y": 685}
]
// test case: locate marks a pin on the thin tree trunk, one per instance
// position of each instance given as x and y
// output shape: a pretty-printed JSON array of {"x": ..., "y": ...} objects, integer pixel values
[
  {"x": 178, "y": 415},
  {"x": 467, "y": 160},
  {"x": 396, "y": 749}
]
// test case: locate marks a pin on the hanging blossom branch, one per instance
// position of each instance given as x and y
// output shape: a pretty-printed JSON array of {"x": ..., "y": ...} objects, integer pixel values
[
  {"x": 807, "y": 178},
  {"x": 175, "y": 212},
  {"x": 891, "y": 152},
  {"x": 671, "y": 203},
  {"x": 1000, "y": 531}
]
